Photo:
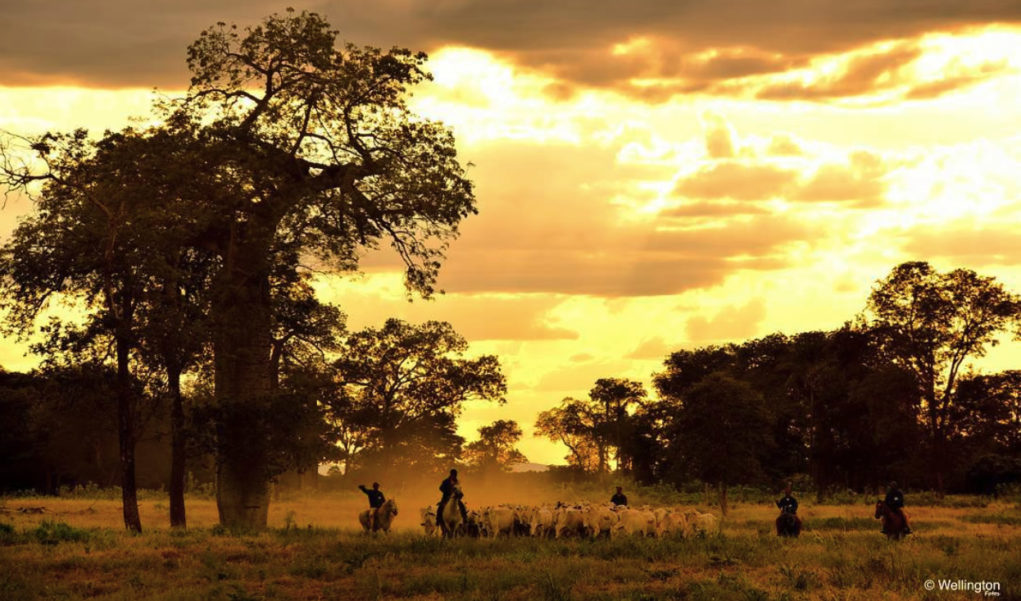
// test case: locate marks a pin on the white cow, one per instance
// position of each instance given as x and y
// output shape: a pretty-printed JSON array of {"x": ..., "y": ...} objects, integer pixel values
[
  {"x": 541, "y": 522},
  {"x": 498, "y": 520},
  {"x": 568, "y": 520},
  {"x": 635, "y": 521},
  {"x": 600, "y": 519},
  {"x": 702, "y": 523},
  {"x": 671, "y": 523}
]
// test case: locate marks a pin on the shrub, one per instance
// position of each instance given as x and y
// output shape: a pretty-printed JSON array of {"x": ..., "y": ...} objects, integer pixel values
[{"x": 52, "y": 533}]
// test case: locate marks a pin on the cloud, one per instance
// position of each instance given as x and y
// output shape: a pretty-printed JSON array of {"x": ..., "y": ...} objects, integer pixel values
[
  {"x": 477, "y": 317},
  {"x": 713, "y": 209},
  {"x": 736, "y": 180},
  {"x": 555, "y": 219},
  {"x": 887, "y": 73},
  {"x": 863, "y": 74},
  {"x": 578, "y": 378},
  {"x": 719, "y": 137},
  {"x": 686, "y": 45},
  {"x": 969, "y": 243},
  {"x": 860, "y": 180},
  {"x": 784, "y": 145},
  {"x": 730, "y": 323},
  {"x": 956, "y": 77},
  {"x": 651, "y": 348}
]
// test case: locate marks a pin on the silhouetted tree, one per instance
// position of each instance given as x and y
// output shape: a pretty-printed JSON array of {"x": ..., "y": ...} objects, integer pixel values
[
  {"x": 89, "y": 239},
  {"x": 305, "y": 330},
  {"x": 613, "y": 401},
  {"x": 407, "y": 383},
  {"x": 858, "y": 411},
  {"x": 988, "y": 411},
  {"x": 307, "y": 149},
  {"x": 722, "y": 429},
  {"x": 322, "y": 156},
  {"x": 574, "y": 425},
  {"x": 495, "y": 449},
  {"x": 931, "y": 324},
  {"x": 594, "y": 427}
]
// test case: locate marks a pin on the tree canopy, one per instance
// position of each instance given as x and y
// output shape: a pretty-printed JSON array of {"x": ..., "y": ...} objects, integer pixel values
[
  {"x": 931, "y": 324},
  {"x": 406, "y": 385},
  {"x": 495, "y": 449}
]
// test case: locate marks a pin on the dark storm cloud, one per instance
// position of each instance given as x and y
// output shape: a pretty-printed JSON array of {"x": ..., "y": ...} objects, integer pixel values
[{"x": 127, "y": 43}]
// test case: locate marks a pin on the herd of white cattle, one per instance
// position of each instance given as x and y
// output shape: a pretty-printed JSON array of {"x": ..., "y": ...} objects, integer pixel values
[{"x": 579, "y": 520}]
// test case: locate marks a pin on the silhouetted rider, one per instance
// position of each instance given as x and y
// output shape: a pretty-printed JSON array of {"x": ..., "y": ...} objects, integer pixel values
[
  {"x": 895, "y": 501},
  {"x": 376, "y": 500},
  {"x": 787, "y": 503},
  {"x": 788, "y": 511},
  {"x": 447, "y": 487},
  {"x": 620, "y": 498}
]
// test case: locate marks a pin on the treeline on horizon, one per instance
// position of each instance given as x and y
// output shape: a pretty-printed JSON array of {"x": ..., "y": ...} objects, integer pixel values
[
  {"x": 848, "y": 409},
  {"x": 165, "y": 274}
]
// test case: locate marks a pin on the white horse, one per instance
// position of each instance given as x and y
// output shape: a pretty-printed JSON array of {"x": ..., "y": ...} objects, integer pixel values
[
  {"x": 453, "y": 522},
  {"x": 384, "y": 517}
]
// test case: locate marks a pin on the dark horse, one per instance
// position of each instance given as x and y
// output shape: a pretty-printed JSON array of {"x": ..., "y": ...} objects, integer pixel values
[
  {"x": 788, "y": 524},
  {"x": 894, "y": 524}
]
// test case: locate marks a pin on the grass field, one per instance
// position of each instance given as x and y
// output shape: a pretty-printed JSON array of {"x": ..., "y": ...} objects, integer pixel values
[{"x": 77, "y": 549}]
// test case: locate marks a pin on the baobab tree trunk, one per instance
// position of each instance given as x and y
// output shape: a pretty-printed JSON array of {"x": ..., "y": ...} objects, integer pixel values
[
  {"x": 126, "y": 436},
  {"x": 242, "y": 344},
  {"x": 177, "y": 451}
]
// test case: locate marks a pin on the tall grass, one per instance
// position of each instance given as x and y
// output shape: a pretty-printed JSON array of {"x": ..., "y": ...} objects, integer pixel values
[{"x": 841, "y": 556}]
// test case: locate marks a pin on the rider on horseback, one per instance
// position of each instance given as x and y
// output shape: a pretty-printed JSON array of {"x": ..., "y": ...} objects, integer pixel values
[
  {"x": 376, "y": 500},
  {"x": 788, "y": 506},
  {"x": 895, "y": 501},
  {"x": 447, "y": 487}
]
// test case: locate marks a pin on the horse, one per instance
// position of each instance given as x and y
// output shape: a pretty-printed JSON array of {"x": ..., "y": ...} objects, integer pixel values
[
  {"x": 451, "y": 522},
  {"x": 788, "y": 524},
  {"x": 384, "y": 517},
  {"x": 894, "y": 524}
]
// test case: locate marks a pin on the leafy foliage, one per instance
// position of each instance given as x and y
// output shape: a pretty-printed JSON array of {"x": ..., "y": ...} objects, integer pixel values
[
  {"x": 405, "y": 385},
  {"x": 495, "y": 449}
]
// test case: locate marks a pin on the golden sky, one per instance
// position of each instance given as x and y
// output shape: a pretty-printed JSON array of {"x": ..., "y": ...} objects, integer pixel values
[{"x": 649, "y": 177}]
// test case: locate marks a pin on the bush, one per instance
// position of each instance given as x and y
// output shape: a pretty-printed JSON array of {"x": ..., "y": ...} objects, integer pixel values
[
  {"x": 52, "y": 533},
  {"x": 8, "y": 536}
]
